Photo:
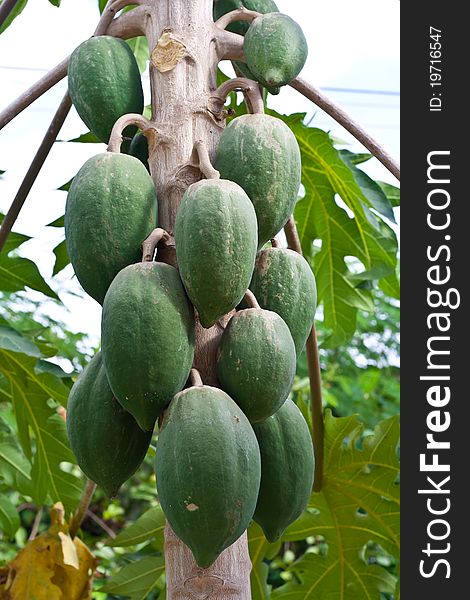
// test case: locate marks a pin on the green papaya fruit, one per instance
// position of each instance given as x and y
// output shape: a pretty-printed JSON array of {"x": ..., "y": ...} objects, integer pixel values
[
  {"x": 107, "y": 442},
  {"x": 256, "y": 362},
  {"x": 104, "y": 84},
  {"x": 147, "y": 340},
  {"x": 222, "y": 7},
  {"x": 216, "y": 240},
  {"x": 275, "y": 50},
  {"x": 287, "y": 467},
  {"x": 111, "y": 208},
  {"x": 140, "y": 149},
  {"x": 284, "y": 283},
  {"x": 208, "y": 471},
  {"x": 261, "y": 154}
]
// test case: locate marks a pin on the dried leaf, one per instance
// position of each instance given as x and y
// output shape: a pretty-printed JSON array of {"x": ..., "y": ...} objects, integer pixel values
[
  {"x": 69, "y": 551},
  {"x": 50, "y": 567}
]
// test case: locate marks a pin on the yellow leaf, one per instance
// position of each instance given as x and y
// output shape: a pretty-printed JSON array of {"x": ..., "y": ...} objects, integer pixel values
[{"x": 50, "y": 567}]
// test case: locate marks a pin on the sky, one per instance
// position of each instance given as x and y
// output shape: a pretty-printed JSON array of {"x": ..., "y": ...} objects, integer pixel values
[{"x": 353, "y": 57}]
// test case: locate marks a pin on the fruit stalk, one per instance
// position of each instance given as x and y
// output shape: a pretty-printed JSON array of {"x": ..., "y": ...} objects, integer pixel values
[{"x": 82, "y": 508}]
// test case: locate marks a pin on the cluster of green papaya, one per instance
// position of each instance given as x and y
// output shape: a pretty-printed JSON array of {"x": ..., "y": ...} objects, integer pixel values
[
  {"x": 225, "y": 455},
  {"x": 275, "y": 47}
]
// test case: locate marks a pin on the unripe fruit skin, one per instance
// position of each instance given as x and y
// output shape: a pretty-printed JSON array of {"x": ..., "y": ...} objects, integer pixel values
[
  {"x": 284, "y": 283},
  {"x": 261, "y": 154},
  {"x": 140, "y": 149},
  {"x": 216, "y": 240},
  {"x": 111, "y": 208},
  {"x": 147, "y": 338},
  {"x": 222, "y": 7},
  {"x": 256, "y": 362},
  {"x": 275, "y": 49},
  {"x": 104, "y": 84},
  {"x": 287, "y": 467},
  {"x": 208, "y": 471},
  {"x": 107, "y": 442}
]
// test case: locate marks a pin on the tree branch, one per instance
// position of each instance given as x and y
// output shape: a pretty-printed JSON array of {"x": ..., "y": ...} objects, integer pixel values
[
  {"x": 239, "y": 14},
  {"x": 229, "y": 45},
  {"x": 101, "y": 523},
  {"x": 34, "y": 92},
  {"x": 116, "y": 139},
  {"x": 5, "y": 9},
  {"x": 82, "y": 508},
  {"x": 34, "y": 168},
  {"x": 341, "y": 117},
  {"x": 37, "y": 522},
  {"x": 150, "y": 244},
  {"x": 126, "y": 26},
  {"x": 314, "y": 374},
  {"x": 250, "y": 90}
]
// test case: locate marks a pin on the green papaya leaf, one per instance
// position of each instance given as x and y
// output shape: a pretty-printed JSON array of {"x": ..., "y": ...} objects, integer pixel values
[
  {"x": 30, "y": 391},
  {"x": 55, "y": 2},
  {"x": 61, "y": 257},
  {"x": 137, "y": 579},
  {"x": 392, "y": 193},
  {"x": 85, "y": 138},
  {"x": 358, "y": 504},
  {"x": 259, "y": 548},
  {"x": 63, "y": 188},
  {"x": 59, "y": 222},
  {"x": 319, "y": 217},
  {"x": 9, "y": 519},
  {"x": 260, "y": 590},
  {"x": 140, "y": 48},
  {"x": 17, "y": 273},
  {"x": 149, "y": 525},
  {"x": 369, "y": 187},
  {"x": 10, "y": 339},
  {"x": 14, "y": 468},
  {"x": 14, "y": 239}
]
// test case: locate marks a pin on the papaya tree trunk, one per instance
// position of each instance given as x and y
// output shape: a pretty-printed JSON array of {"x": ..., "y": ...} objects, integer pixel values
[{"x": 183, "y": 68}]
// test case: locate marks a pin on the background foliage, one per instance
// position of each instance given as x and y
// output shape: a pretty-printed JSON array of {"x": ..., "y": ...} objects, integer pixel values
[{"x": 346, "y": 543}]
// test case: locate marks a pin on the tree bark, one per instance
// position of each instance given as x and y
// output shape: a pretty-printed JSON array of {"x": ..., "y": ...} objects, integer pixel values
[{"x": 183, "y": 66}]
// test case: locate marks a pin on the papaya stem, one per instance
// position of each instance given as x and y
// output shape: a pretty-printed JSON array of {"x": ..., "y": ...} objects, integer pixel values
[
  {"x": 101, "y": 523},
  {"x": 150, "y": 244},
  {"x": 250, "y": 90},
  {"x": 195, "y": 378},
  {"x": 82, "y": 507},
  {"x": 314, "y": 374},
  {"x": 116, "y": 138},
  {"x": 239, "y": 14},
  {"x": 36, "y": 523},
  {"x": 341, "y": 117},
  {"x": 205, "y": 165},
  {"x": 251, "y": 300}
]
